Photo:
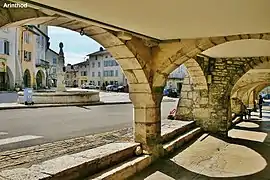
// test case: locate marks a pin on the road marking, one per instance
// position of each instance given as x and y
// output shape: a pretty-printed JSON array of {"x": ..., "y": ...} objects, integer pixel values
[
  {"x": 3, "y": 133},
  {"x": 18, "y": 139}
]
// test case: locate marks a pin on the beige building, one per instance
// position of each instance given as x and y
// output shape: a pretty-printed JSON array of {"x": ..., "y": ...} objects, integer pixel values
[{"x": 71, "y": 76}]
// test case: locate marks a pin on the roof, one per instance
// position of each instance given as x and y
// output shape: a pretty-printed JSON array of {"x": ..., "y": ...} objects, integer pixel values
[
  {"x": 53, "y": 51},
  {"x": 99, "y": 53},
  {"x": 81, "y": 63},
  {"x": 34, "y": 27}
]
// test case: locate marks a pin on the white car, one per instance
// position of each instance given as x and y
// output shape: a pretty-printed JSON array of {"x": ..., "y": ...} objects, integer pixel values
[{"x": 111, "y": 88}]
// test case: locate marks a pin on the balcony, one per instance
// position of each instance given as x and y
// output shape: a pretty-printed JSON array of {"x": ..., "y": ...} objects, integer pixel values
[{"x": 43, "y": 63}]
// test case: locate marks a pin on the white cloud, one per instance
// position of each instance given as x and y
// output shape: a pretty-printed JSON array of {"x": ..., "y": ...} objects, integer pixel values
[{"x": 73, "y": 58}]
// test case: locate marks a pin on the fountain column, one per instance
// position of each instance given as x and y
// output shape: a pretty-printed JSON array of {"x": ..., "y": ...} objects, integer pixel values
[{"x": 61, "y": 86}]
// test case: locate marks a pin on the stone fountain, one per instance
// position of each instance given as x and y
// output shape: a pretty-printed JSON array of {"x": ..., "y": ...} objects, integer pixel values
[{"x": 61, "y": 95}]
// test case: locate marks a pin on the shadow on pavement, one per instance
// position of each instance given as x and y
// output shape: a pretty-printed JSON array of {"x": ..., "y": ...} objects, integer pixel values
[{"x": 168, "y": 168}]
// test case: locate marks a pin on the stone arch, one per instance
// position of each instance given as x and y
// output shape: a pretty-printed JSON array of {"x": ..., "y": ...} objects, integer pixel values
[
  {"x": 130, "y": 64},
  {"x": 40, "y": 79},
  {"x": 134, "y": 55},
  {"x": 10, "y": 79},
  {"x": 189, "y": 48},
  {"x": 27, "y": 78}
]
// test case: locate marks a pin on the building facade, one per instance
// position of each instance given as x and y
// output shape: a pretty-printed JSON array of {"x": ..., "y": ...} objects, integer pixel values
[
  {"x": 104, "y": 69},
  {"x": 40, "y": 48},
  {"x": 176, "y": 78},
  {"x": 82, "y": 73},
  {"x": 71, "y": 76},
  {"x": 8, "y": 58},
  {"x": 52, "y": 58}
]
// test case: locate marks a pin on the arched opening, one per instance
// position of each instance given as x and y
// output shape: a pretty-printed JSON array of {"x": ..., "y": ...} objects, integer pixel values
[
  {"x": 27, "y": 79},
  {"x": 194, "y": 97},
  {"x": 40, "y": 79},
  {"x": 10, "y": 79},
  {"x": 126, "y": 56}
]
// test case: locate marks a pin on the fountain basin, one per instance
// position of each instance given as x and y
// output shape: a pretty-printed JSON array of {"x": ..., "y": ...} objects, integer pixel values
[{"x": 66, "y": 97}]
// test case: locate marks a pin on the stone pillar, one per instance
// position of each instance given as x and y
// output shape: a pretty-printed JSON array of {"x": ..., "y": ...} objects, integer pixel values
[
  {"x": 185, "y": 103},
  {"x": 60, "y": 72},
  {"x": 147, "y": 121}
]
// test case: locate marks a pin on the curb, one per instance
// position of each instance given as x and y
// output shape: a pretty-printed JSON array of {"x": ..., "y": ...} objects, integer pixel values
[
  {"x": 68, "y": 105},
  {"x": 62, "y": 105}
]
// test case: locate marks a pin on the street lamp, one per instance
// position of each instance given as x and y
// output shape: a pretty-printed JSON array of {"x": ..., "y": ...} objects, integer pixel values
[{"x": 82, "y": 32}]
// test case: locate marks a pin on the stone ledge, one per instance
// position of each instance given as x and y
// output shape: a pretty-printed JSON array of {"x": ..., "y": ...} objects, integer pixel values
[{"x": 79, "y": 165}]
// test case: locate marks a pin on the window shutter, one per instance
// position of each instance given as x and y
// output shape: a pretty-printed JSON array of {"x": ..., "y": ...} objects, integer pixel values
[{"x": 1, "y": 47}]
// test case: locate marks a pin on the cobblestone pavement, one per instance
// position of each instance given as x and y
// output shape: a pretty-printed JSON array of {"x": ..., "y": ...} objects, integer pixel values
[
  {"x": 25, "y": 157},
  {"x": 244, "y": 155}
]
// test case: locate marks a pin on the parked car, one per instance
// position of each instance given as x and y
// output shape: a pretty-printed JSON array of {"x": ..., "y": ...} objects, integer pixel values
[
  {"x": 112, "y": 88},
  {"x": 83, "y": 86},
  {"x": 166, "y": 92},
  {"x": 170, "y": 92},
  {"x": 266, "y": 96},
  {"x": 90, "y": 86},
  {"x": 121, "y": 88}
]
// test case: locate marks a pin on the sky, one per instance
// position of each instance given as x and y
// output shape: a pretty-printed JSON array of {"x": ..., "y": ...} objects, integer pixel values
[{"x": 76, "y": 47}]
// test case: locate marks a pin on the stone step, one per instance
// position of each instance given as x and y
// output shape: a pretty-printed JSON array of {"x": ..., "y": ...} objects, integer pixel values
[
  {"x": 75, "y": 166},
  {"x": 180, "y": 140},
  {"x": 180, "y": 128},
  {"x": 123, "y": 170}
]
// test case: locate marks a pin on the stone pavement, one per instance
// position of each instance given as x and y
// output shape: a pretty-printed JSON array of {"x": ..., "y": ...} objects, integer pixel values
[{"x": 244, "y": 155}]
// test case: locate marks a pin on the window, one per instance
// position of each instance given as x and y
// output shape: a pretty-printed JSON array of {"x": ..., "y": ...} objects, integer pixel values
[
  {"x": 105, "y": 63},
  {"x": 54, "y": 60},
  {"x": 93, "y": 64},
  {"x": 93, "y": 74},
  {"x": 110, "y": 73},
  {"x": 67, "y": 75},
  {"x": 83, "y": 73},
  {"x": 54, "y": 70},
  {"x": 116, "y": 63},
  {"x": 98, "y": 64},
  {"x": 26, "y": 36},
  {"x": 106, "y": 56},
  {"x": 116, "y": 73},
  {"x": 105, "y": 73},
  {"x": 112, "y": 63},
  {"x": 82, "y": 81},
  {"x": 99, "y": 74},
  {"x": 98, "y": 83},
  {"x": 27, "y": 56},
  {"x": 4, "y": 47},
  {"x": 96, "y": 57}
]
